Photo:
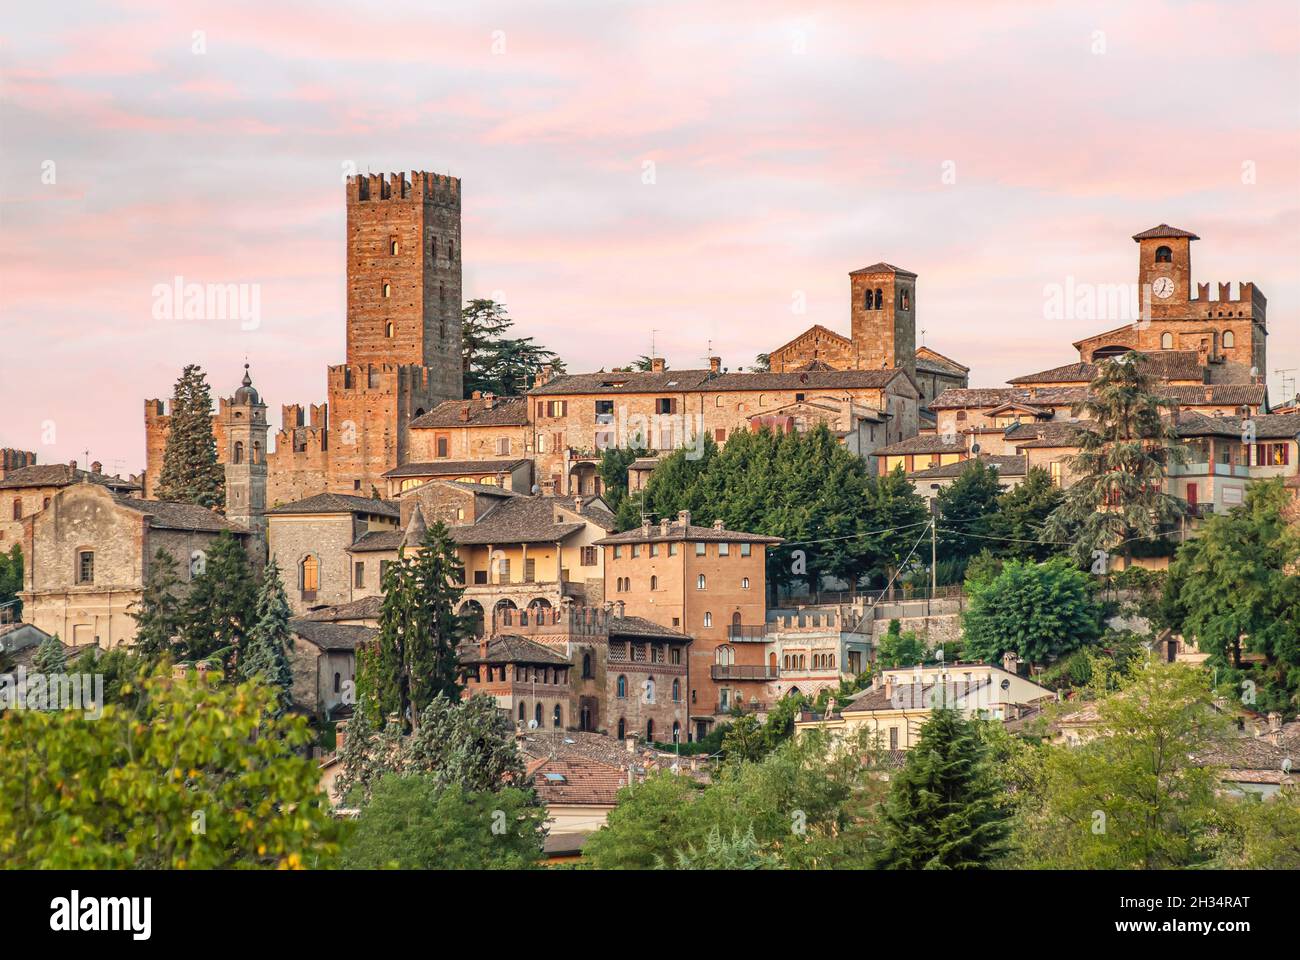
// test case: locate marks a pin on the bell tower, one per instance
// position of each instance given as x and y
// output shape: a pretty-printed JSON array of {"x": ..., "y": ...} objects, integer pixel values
[
  {"x": 1165, "y": 268},
  {"x": 882, "y": 318},
  {"x": 243, "y": 428}
]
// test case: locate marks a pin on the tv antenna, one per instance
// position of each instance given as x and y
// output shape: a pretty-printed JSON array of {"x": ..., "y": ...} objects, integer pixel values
[{"x": 1288, "y": 392}]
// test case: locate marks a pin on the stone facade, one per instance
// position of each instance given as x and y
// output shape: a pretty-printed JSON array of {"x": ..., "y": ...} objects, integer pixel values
[
  {"x": 88, "y": 556},
  {"x": 29, "y": 489}
]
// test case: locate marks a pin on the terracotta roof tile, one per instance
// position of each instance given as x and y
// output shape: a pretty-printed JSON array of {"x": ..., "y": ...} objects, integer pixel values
[
  {"x": 504, "y": 412},
  {"x": 338, "y": 503}
]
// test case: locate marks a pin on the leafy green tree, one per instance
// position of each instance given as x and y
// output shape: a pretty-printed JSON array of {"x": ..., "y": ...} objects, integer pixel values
[
  {"x": 1131, "y": 798},
  {"x": 1234, "y": 590},
  {"x": 1270, "y": 832},
  {"x": 221, "y": 607},
  {"x": 965, "y": 506},
  {"x": 468, "y": 744},
  {"x": 11, "y": 582},
  {"x": 896, "y": 513},
  {"x": 414, "y": 823},
  {"x": 642, "y": 364},
  {"x": 266, "y": 655},
  {"x": 413, "y": 659},
  {"x": 944, "y": 810},
  {"x": 1126, "y": 444},
  {"x": 671, "y": 488},
  {"x": 649, "y": 821},
  {"x": 1039, "y": 611},
  {"x": 762, "y": 364},
  {"x": 49, "y": 656},
  {"x": 1015, "y": 527},
  {"x": 614, "y": 464},
  {"x": 493, "y": 362},
  {"x": 125, "y": 673},
  {"x": 744, "y": 741},
  {"x": 190, "y": 471},
  {"x": 206, "y": 777},
  {"x": 158, "y": 614},
  {"x": 898, "y": 649},
  {"x": 740, "y": 851}
]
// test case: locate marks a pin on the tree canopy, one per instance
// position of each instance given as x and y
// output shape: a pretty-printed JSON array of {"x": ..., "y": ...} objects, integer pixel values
[
  {"x": 190, "y": 471},
  {"x": 1039, "y": 611}
]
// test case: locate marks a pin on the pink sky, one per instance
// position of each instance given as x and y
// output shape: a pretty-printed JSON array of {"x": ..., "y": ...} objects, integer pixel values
[{"x": 791, "y": 143}]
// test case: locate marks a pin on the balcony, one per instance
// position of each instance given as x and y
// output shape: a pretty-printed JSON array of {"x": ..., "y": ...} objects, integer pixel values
[
  {"x": 735, "y": 671},
  {"x": 744, "y": 633}
]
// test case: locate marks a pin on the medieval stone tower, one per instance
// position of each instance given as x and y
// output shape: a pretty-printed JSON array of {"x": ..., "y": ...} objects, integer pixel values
[
  {"x": 882, "y": 316},
  {"x": 243, "y": 436}
]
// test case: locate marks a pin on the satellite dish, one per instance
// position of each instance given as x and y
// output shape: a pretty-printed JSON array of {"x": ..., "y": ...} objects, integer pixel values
[
  {"x": 1006, "y": 684},
  {"x": 974, "y": 448},
  {"x": 536, "y": 489},
  {"x": 532, "y": 724}
]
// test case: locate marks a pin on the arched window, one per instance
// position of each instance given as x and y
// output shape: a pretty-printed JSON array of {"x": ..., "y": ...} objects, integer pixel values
[
  {"x": 338, "y": 682},
  {"x": 18, "y": 508},
  {"x": 537, "y": 714},
  {"x": 677, "y": 691},
  {"x": 708, "y": 618},
  {"x": 622, "y": 686},
  {"x": 1164, "y": 255},
  {"x": 880, "y": 299},
  {"x": 388, "y": 290},
  {"x": 555, "y": 716},
  {"x": 868, "y": 300},
  {"x": 523, "y": 715},
  {"x": 654, "y": 583},
  {"x": 1229, "y": 339},
  {"x": 239, "y": 451},
  {"x": 906, "y": 300},
  {"x": 699, "y": 582},
  {"x": 622, "y": 728},
  {"x": 388, "y": 329},
  {"x": 586, "y": 666},
  {"x": 744, "y": 583},
  {"x": 256, "y": 455},
  {"x": 1166, "y": 341},
  {"x": 650, "y": 731},
  {"x": 309, "y": 574},
  {"x": 650, "y": 690},
  {"x": 724, "y": 656}
]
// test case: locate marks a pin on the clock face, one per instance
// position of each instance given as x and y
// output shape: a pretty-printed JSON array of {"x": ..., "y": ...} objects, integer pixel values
[{"x": 1163, "y": 287}]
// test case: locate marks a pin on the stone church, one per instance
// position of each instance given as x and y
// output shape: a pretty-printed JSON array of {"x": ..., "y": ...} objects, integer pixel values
[
  {"x": 403, "y": 358},
  {"x": 882, "y": 335}
]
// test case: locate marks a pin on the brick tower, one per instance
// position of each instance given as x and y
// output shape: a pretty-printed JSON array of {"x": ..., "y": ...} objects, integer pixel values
[
  {"x": 243, "y": 436},
  {"x": 404, "y": 283},
  {"x": 882, "y": 317}
]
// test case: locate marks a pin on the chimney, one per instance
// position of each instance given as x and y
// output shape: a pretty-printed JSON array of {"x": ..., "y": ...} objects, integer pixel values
[
  {"x": 715, "y": 364},
  {"x": 489, "y": 400},
  {"x": 664, "y": 524},
  {"x": 717, "y": 525},
  {"x": 1010, "y": 662},
  {"x": 544, "y": 376},
  {"x": 684, "y": 518},
  {"x": 619, "y": 607},
  {"x": 464, "y": 413},
  {"x": 1274, "y": 721},
  {"x": 577, "y": 503},
  {"x": 631, "y": 748},
  {"x": 340, "y": 735},
  {"x": 476, "y": 395},
  {"x": 656, "y": 364},
  {"x": 96, "y": 468},
  {"x": 888, "y": 683},
  {"x": 72, "y": 464}
]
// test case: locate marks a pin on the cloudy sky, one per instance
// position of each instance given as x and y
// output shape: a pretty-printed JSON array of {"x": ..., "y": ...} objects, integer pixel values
[{"x": 993, "y": 148}]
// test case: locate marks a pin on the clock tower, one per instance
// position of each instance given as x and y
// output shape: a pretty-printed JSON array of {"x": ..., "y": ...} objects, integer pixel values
[{"x": 1165, "y": 269}]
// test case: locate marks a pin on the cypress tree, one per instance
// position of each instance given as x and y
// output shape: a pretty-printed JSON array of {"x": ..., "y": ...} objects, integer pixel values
[
  {"x": 158, "y": 614},
  {"x": 943, "y": 810},
  {"x": 221, "y": 607},
  {"x": 266, "y": 654},
  {"x": 190, "y": 471},
  {"x": 413, "y": 659},
  {"x": 49, "y": 656}
]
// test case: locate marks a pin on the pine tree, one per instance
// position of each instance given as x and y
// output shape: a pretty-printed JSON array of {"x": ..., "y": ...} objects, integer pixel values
[
  {"x": 413, "y": 659},
  {"x": 221, "y": 607},
  {"x": 158, "y": 614},
  {"x": 494, "y": 362},
  {"x": 1125, "y": 448},
  {"x": 49, "y": 657},
  {"x": 944, "y": 810},
  {"x": 190, "y": 471},
  {"x": 265, "y": 656}
]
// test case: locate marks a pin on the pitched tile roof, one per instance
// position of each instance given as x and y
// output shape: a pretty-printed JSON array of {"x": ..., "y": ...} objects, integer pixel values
[
  {"x": 641, "y": 627},
  {"x": 447, "y": 468},
  {"x": 532, "y": 520},
  {"x": 676, "y": 531},
  {"x": 332, "y": 636},
  {"x": 935, "y": 357},
  {"x": 1162, "y": 364},
  {"x": 1268, "y": 426},
  {"x": 510, "y": 648},
  {"x": 504, "y": 412},
  {"x": 1225, "y": 394},
  {"x": 576, "y": 780},
  {"x": 1005, "y": 466},
  {"x": 165, "y": 515},
  {"x": 911, "y": 696},
  {"x": 882, "y": 267},
  {"x": 923, "y": 443},
  {"x": 367, "y": 608},
  {"x": 338, "y": 503},
  {"x": 60, "y": 475},
  {"x": 377, "y": 541},
  {"x": 693, "y": 381},
  {"x": 1164, "y": 230}
]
